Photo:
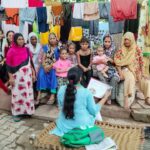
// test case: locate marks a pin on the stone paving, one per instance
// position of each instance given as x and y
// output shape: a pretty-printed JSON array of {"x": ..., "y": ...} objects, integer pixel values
[{"x": 15, "y": 136}]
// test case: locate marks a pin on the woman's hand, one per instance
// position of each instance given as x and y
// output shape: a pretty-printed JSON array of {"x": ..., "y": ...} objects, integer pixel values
[
  {"x": 12, "y": 81},
  {"x": 47, "y": 68},
  {"x": 33, "y": 78}
]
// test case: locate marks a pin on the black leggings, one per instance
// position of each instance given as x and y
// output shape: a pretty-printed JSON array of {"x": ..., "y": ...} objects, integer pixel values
[{"x": 86, "y": 78}]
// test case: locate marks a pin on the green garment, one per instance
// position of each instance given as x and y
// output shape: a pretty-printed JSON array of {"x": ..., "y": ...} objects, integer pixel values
[{"x": 80, "y": 137}]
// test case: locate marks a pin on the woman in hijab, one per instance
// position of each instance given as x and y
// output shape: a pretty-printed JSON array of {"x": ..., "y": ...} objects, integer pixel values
[
  {"x": 21, "y": 76},
  {"x": 36, "y": 50},
  {"x": 113, "y": 77},
  {"x": 129, "y": 63}
]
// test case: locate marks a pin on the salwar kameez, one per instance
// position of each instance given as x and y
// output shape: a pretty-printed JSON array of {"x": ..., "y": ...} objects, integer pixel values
[{"x": 22, "y": 92}]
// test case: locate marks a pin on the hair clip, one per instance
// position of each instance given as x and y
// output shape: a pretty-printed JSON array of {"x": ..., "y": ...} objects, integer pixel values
[{"x": 71, "y": 81}]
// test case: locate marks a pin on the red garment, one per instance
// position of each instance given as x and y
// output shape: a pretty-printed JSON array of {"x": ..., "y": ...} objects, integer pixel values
[
  {"x": 35, "y": 3},
  {"x": 3, "y": 87},
  {"x": 13, "y": 16},
  {"x": 123, "y": 9}
]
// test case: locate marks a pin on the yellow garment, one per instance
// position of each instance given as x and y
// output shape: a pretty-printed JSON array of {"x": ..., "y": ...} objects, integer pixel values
[
  {"x": 55, "y": 29},
  {"x": 145, "y": 87},
  {"x": 127, "y": 56},
  {"x": 146, "y": 67},
  {"x": 44, "y": 38},
  {"x": 129, "y": 82},
  {"x": 52, "y": 3},
  {"x": 75, "y": 34},
  {"x": 145, "y": 82}
]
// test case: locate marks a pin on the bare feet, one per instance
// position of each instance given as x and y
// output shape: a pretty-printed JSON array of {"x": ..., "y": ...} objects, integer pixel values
[
  {"x": 108, "y": 102},
  {"x": 51, "y": 99},
  {"x": 147, "y": 100},
  {"x": 105, "y": 75}
]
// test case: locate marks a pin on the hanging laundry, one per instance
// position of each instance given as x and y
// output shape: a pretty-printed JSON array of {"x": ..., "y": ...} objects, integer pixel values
[
  {"x": 132, "y": 24},
  {"x": 94, "y": 27},
  {"x": 65, "y": 29},
  {"x": 78, "y": 10},
  {"x": 3, "y": 15},
  {"x": 35, "y": 3},
  {"x": 123, "y": 9},
  {"x": 14, "y": 3},
  {"x": 42, "y": 19},
  {"x": 26, "y": 15},
  {"x": 114, "y": 27},
  {"x": 49, "y": 15},
  {"x": 57, "y": 12},
  {"x": 143, "y": 24},
  {"x": 52, "y": 2},
  {"x": 91, "y": 11},
  {"x": 12, "y": 16},
  {"x": 7, "y": 27}
]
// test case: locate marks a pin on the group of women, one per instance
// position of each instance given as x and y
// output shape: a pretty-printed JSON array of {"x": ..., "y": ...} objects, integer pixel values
[{"x": 27, "y": 63}]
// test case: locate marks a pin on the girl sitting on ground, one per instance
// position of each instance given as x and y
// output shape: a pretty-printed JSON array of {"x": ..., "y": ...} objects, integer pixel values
[{"x": 76, "y": 103}]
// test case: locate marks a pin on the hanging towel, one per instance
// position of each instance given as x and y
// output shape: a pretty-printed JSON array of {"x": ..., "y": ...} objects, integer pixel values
[
  {"x": 12, "y": 16},
  {"x": 123, "y": 9},
  {"x": 91, "y": 11},
  {"x": 35, "y": 3},
  {"x": 49, "y": 15},
  {"x": 26, "y": 15},
  {"x": 42, "y": 19},
  {"x": 14, "y": 3},
  {"x": 78, "y": 10}
]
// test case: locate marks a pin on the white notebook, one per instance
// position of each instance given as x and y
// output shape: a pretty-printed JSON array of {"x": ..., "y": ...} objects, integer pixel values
[{"x": 98, "y": 88}]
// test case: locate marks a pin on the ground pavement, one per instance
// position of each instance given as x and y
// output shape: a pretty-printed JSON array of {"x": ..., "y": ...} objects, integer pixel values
[{"x": 15, "y": 136}]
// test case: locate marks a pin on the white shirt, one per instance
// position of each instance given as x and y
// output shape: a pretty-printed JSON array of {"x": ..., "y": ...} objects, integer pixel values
[{"x": 14, "y": 3}]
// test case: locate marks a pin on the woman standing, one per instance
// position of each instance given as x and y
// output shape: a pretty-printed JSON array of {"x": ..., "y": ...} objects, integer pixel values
[
  {"x": 21, "y": 76},
  {"x": 129, "y": 63},
  {"x": 8, "y": 42},
  {"x": 36, "y": 50}
]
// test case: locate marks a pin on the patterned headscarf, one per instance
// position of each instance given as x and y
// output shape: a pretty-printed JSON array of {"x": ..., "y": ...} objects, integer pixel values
[{"x": 127, "y": 56}]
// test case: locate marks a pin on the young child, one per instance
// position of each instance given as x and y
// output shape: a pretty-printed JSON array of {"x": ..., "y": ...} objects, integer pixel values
[
  {"x": 62, "y": 66},
  {"x": 84, "y": 57},
  {"x": 100, "y": 60},
  {"x": 71, "y": 54}
]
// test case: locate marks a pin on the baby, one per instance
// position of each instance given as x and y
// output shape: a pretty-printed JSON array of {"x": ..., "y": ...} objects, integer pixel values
[{"x": 100, "y": 60}]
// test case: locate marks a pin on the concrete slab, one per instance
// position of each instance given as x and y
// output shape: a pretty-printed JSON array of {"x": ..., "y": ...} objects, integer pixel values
[
  {"x": 114, "y": 111},
  {"x": 142, "y": 103},
  {"x": 46, "y": 112},
  {"x": 141, "y": 115}
]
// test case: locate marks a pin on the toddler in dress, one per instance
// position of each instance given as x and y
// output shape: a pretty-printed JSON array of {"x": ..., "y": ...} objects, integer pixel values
[{"x": 100, "y": 60}]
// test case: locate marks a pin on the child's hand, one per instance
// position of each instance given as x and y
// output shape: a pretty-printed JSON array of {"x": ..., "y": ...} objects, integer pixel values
[
  {"x": 89, "y": 68},
  {"x": 85, "y": 69}
]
